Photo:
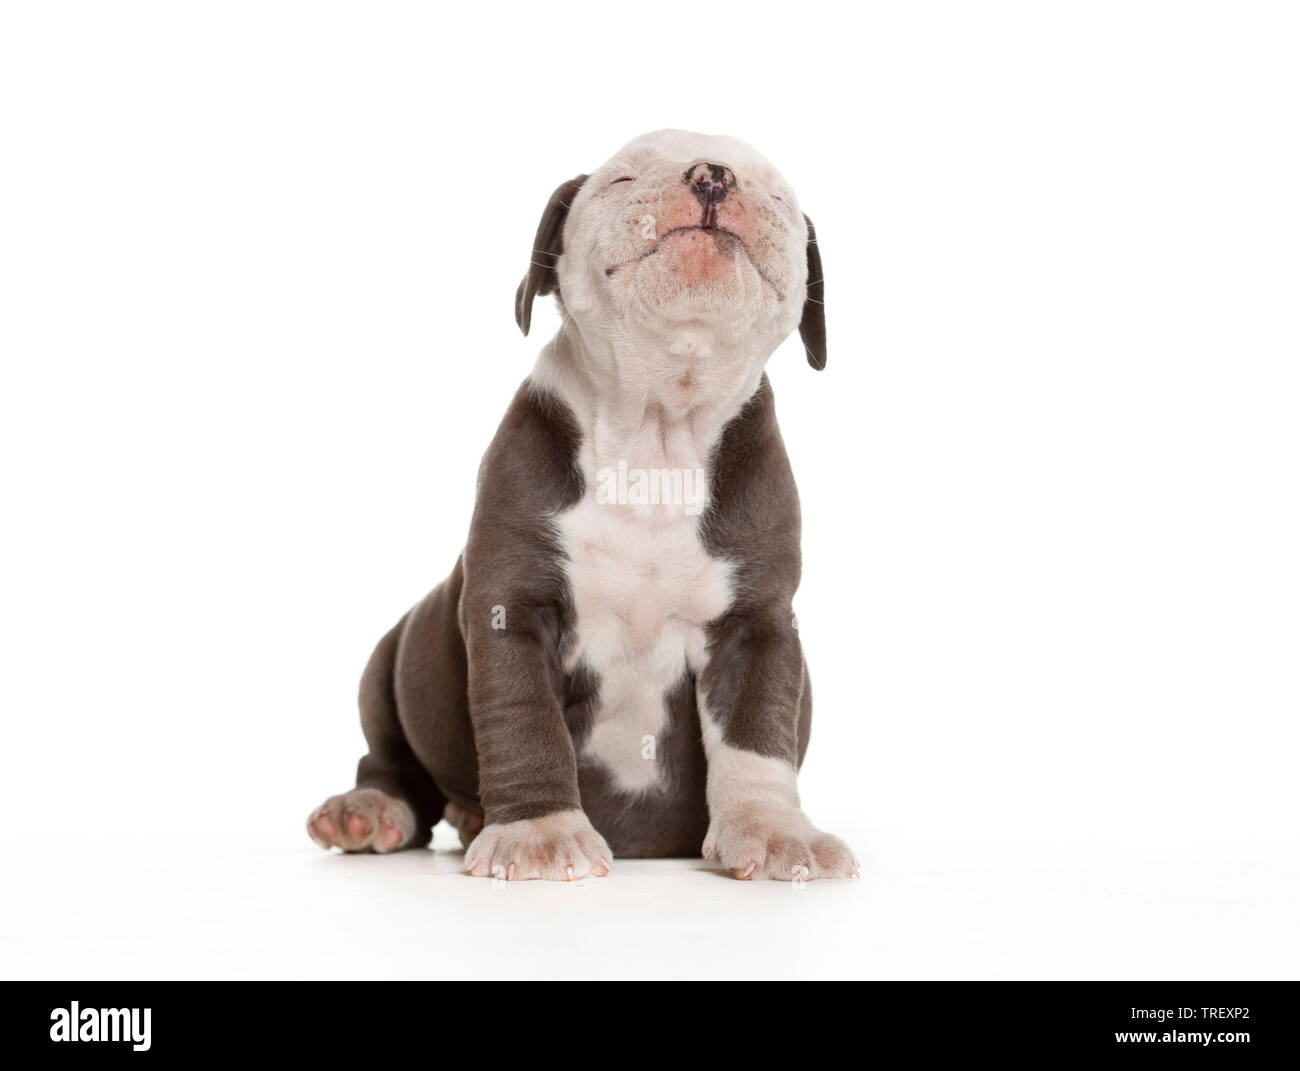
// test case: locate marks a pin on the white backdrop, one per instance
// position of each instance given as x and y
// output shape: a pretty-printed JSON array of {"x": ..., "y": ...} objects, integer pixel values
[{"x": 257, "y": 264}]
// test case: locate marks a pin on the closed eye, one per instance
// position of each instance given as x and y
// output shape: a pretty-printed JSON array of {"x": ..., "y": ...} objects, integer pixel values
[{"x": 625, "y": 178}]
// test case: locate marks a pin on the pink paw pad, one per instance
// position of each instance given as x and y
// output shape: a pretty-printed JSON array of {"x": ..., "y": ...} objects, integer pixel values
[{"x": 364, "y": 819}]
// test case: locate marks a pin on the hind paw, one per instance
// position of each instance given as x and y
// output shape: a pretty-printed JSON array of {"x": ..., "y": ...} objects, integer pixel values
[{"x": 362, "y": 820}]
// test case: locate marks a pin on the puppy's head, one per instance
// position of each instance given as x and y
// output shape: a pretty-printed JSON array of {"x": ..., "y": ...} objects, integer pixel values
[{"x": 681, "y": 235}]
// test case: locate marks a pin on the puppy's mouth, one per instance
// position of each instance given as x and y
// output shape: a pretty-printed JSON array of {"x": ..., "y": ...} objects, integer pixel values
[{"x": 729, "y": 243}]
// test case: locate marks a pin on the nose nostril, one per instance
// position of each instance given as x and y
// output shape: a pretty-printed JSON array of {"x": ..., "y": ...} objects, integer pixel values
[
  {"x": 710, "y": 174},
  {"x": 709, "y": 182}
]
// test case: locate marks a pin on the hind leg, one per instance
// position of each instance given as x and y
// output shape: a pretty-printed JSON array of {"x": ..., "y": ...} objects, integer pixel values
[
  {"x": 469, "y": 824},
  {"x": 396, "y": 803}
]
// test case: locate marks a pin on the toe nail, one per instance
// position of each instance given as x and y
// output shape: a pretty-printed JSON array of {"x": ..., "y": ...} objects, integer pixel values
[{"x": 510, "y": 872}]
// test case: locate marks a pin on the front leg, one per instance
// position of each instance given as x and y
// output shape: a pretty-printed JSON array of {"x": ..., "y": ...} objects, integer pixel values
[
  {"x": 528, "y": 776},
  {"x": 750, "y": 693}
]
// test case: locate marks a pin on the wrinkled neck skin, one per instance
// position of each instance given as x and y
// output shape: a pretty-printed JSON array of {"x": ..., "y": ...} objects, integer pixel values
[{"x": 651, "y": 402}]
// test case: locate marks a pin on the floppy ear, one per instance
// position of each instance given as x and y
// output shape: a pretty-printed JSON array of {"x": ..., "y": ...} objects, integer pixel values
[
  {"x": 812, "y": 328},
  {"x": 547, "y": 247}
]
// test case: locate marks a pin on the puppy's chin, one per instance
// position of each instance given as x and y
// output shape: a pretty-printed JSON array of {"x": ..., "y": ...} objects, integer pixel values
[{"x": 697, "y": 274}]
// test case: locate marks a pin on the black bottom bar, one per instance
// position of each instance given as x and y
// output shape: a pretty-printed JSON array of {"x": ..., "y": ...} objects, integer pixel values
[{"x": 1215, "y": 1021}]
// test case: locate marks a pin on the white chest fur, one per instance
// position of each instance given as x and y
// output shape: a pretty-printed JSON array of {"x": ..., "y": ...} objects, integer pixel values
[
  {"x": 643, "y": 588},
  {"x": 642, "y": 584}
]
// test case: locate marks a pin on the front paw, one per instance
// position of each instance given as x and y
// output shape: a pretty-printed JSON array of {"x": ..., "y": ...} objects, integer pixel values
[
  {"x": 776, "y": 841},
  {"x": 559, "y": 847}
]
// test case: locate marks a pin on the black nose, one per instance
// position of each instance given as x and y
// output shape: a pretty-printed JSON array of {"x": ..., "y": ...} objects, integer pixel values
[{"x": 709, "y": 183}]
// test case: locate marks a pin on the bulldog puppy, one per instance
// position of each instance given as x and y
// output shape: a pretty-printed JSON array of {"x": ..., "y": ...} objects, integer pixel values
[{"x": 613, "y": 667}]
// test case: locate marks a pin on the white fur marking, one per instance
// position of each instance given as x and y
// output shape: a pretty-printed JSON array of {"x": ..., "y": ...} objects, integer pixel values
[
  {"x": 643, "y": 589},
  {"x": 740, "y": 778}
]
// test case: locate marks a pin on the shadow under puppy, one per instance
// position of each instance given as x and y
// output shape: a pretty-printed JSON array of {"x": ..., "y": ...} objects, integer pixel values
[{"x": 613, "y": 668}]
